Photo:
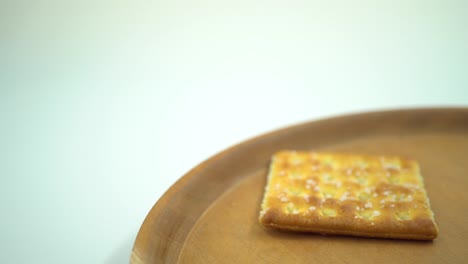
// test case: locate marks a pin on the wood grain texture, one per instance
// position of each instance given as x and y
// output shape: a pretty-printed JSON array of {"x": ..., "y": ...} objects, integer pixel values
[{"x": 210, "y": 214}]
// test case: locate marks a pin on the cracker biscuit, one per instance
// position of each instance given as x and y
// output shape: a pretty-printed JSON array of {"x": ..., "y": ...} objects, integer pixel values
[{"x": 360, "y": 195}]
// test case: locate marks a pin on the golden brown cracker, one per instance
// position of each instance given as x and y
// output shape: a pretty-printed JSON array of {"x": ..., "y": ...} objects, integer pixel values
[{"x": 361, "y": 195}]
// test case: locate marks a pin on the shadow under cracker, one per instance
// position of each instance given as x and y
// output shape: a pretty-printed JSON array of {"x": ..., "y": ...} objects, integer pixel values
[{"x": 299, "y": 236}]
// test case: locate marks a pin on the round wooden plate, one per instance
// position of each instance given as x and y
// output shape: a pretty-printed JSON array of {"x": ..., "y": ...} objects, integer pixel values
[{"x": 210, "y": 214}]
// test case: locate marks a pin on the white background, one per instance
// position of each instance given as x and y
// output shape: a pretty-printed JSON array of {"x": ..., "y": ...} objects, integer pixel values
[{"x": 105, "y": 104}]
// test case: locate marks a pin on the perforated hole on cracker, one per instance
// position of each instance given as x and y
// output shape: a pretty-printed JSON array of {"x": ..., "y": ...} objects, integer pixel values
[{"x": 360, "y": 195}]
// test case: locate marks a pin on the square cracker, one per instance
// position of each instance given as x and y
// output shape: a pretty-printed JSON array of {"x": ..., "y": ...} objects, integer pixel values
[{"x": 360, "y": 195}]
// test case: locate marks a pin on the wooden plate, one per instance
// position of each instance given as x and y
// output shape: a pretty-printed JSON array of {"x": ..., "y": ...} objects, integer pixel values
[{"x": 210, "y": 214}]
